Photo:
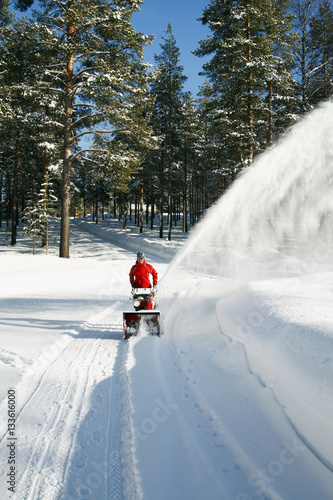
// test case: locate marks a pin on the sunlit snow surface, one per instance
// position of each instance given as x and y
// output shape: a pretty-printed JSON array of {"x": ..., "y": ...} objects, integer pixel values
[{"x": 234, "y": 401}]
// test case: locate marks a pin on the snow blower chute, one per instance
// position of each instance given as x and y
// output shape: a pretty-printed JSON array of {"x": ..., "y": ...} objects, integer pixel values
[{"x": 145, "y": 318}]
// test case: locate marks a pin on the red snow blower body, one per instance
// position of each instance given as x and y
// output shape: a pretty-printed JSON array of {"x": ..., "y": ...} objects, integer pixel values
[{"x": 145, "y": 319}]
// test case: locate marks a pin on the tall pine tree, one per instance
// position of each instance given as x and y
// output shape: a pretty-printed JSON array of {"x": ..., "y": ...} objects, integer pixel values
[
  {"x": 304, "y": 54},
  {"x": 248, "y": 48},
  {"x": 167, "y": 82},
  {"x": 321, "y": 32},
  {"x": 98, "y": 71}
]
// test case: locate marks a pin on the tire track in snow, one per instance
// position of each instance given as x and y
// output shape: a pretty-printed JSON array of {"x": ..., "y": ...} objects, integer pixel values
[
  {"x": 123, "y": 481},
  {"x": 49, "y": 451}
]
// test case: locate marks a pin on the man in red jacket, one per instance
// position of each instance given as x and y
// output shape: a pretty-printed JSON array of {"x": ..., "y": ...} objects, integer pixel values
[{"x": 142, "y": 272}]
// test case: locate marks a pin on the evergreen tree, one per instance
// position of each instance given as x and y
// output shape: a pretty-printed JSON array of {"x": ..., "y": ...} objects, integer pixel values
[
  {"x": 99, "y": 73},
  {"x": 167, "y": 81},
  {"x": 5, "y": 15},
  {"x": 193, "y": 131},
  {"x": 48, "y": 205},
  {"x": 39, "y": 211},
  {"x": 321, "y": 32},
  {"x": 215, "y": 151},
  {"x": 31, "y": 226},
  {"x": 278, "y": 61},
  {"x": 248, "y": 48},
  {"x": 20, "y": 112},
  {"x": 304, "y": 54}
]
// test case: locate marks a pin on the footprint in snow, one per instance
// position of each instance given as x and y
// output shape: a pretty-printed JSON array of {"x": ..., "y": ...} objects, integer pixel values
[
  {"x": 84, "y": 492},
  {"x": 98, "y": 398},
  {"x": 218, "y": 443},
  {"x": 96, "y": 436},
  {"x": 90, "y": 414},
  {"x": 81, "y": 462}
]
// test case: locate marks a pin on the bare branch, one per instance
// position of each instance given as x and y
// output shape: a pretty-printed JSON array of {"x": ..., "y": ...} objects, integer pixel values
[
  {"x": 87, "y": 117},
  {"x": 95, "y": 132},
  {"x": 89, "y": 150}
]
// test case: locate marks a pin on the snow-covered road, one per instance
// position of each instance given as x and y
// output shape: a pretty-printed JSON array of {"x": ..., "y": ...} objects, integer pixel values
[
  {"x": 70, "y": 424},
  {"x": 204, "y": 412}
]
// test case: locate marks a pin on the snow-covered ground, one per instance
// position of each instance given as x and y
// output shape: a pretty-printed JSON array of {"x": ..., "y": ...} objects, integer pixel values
[{"x": 234, "y": 401}]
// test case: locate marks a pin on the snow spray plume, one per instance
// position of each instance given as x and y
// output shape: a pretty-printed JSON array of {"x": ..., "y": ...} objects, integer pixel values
[{"x": 276, "y": 213}]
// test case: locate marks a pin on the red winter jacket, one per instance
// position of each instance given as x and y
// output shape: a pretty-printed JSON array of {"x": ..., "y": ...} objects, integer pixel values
[{"x": 140, "y": 275}]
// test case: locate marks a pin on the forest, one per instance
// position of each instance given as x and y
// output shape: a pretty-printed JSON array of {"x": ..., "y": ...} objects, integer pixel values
[{"x": 88, "y": 127}]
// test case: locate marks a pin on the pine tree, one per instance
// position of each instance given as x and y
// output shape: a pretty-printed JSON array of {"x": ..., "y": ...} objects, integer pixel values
[
  {"x": 28, "y": 114},
  {"x": 248, "y": 48},
  {"x": 278, "y": 62},
  {"x": 321, "y": 32},
  {"x": 215, "y": 151},
  {"x": 167, "y": 81},
  {"x": 304, "y": 54},
  {"x": 48, "y": 205},
  {"x": 99, "y": 73},
  {"x": 40, "y": 210},
  {"x": 5, "y": 15},
  {"x": 31, "y": 226},
  {"x": 193, "y": 131}
]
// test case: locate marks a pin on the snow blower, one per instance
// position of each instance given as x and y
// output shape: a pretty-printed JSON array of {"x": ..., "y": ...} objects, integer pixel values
[{"x": 145, "y": 318}]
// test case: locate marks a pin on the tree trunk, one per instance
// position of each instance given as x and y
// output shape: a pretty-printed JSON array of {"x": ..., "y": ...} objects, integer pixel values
[
  {"x": 185, "y": 189},
  {"x": 141, "y": 206},
  {"x": 326, "y": 78},
  {"x": 152, "y": 215},
  {"x": 270, "y": 113},
  {"x": 15, "y": 190},
  {"x": 1, "y": 188},
  {"x": 125, "y": 213},
  {"x": 162, "y": 187},
  {"x": 45, "y": 185},
  {"x": 8, "y": 191},
  {"x": 67, "y": 163},
  {"x": 250, "y": 90},
  {"x": 169, "y": 189},
  {"x": 152, "y": 211}
]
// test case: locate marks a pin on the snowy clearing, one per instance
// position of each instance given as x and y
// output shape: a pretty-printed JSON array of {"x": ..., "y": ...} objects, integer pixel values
[{"x": 234, "y": 401}]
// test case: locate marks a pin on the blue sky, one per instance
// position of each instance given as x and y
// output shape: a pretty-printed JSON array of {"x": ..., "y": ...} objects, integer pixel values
[{"x": 153, "y": 19}]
